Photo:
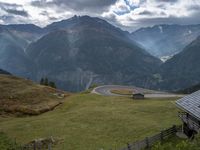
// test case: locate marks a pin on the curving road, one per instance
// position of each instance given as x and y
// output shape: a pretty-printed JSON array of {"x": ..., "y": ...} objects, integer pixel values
[{"x": 105, "y": 90}]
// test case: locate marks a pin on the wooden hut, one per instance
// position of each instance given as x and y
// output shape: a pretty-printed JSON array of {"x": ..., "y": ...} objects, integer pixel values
[
  {"x": 138, "y": 96},
  {"x": 190, "y": 114}
]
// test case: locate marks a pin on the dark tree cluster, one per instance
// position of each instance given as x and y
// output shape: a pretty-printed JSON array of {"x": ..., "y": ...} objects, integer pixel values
[{"x": 45, "y": 81}]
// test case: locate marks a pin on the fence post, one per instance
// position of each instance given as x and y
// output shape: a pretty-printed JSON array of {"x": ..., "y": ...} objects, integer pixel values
[
  {"x": 147, "y": 142},
  {"x": 174, "y": 128},
  {"x": 49, "y": 146},
  {"x": 161, "y": 136},
  {"x": 34, "y": 146},
  {"x": 128, "y": 146}
]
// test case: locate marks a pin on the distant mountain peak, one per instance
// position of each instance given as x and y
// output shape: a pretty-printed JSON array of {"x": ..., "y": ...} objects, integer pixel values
[
  {"x": 183, "y": 68},
  {"x": 23, "y": 28},
  {"x": 165, "y": 40}
]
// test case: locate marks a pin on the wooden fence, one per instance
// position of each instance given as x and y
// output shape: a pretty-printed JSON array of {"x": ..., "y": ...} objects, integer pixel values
[
  {"x": 145, "y": 143},
  {"x": 149, "y": 141}
]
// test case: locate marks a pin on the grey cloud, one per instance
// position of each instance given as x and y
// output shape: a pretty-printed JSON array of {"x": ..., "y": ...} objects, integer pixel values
[
  {"x": 46, "y": 14},
  {"x": 167, "y": 1},
  {"x": 146, "y": 12},
  {"x": 77, "y": 5},
  {"x": 2, "y": 5},
  {"x": 6, "y": 18},
  {"x": 17, "y": 12},
  {"x": 169, "y": 20},
  {"x": 135, "y": 24},
  {"x": 194, "y": 8},
  {"x": 14, "y": 9},
  {"x": 150, "y": 13},
  {"x": 40, "y": 3}
]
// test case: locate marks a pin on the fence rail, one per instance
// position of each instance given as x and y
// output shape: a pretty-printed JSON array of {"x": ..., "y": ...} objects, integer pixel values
[{"x": 149, "y": 141}]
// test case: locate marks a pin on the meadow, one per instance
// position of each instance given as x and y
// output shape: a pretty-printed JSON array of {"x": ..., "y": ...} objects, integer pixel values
[{"x": 92, "y": 122}]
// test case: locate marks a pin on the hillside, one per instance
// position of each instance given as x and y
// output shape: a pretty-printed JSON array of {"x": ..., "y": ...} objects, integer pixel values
[
  {"x": 90, "y": 50},
  {"x": 12, "y": 55},
  {"x": 93, "y": 122},
  {"x": 182, "y": 70},
  {"x": 166, "y": 40},
  {"x": 28, "y": 32},
  {"x": 190, "y": 90},
  {"x": 20, "y": 96},
  {"x": 4, "y": 72}
]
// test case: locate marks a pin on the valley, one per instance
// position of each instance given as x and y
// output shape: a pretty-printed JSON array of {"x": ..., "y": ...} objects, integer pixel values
[
  {"x": 87, "y": 84},
  {"x": 81, "y": 51}
]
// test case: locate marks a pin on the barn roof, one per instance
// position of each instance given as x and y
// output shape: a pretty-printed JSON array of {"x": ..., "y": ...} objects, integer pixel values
[
  {"x": 138, "y": 93},
  {"x": 191, "y": 104}
]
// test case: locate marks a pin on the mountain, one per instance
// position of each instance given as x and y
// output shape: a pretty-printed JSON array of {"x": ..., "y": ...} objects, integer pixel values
[
  {"x": 82, "y": 22},
  {"x": 4, "y": 72},
  {"x": 28, "y": 32},
  {"x": 183, "y": 70},
  {"x": 12, "y": 55},
  {"x": 165, "y": 40},
  {"x": 31, "y": 28},
  {"x": 85, "y": 50},
  {"x": 27, "y": 97},
  {"x": 190, "y": 90}
]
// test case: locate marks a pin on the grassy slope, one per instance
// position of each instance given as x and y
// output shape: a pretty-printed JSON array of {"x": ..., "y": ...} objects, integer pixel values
[
  {"x": 24, "y": 96},
  {"x": 91, "y": 122}
]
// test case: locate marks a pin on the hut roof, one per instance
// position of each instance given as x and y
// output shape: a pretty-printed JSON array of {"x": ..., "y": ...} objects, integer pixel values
[{"x": 191, "y": 104}]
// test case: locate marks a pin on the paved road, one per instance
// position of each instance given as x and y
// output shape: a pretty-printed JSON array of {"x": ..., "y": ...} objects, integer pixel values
[{"x": 106, "y": 91}]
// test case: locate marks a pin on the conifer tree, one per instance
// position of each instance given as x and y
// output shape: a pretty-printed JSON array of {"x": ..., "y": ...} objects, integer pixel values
[
  {"x": 46, "y": 81},
  {"x": 52, "y": 84},
  {"x": 42, "y": 81}
]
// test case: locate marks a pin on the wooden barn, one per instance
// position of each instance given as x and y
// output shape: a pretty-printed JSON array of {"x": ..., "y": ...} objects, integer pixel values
[
  {"x": 138, "y": 96},
  {"x": 190, "y": 114}
]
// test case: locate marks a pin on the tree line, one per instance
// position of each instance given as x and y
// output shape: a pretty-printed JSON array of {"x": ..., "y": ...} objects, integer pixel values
[{"x": 46, "y": 82}]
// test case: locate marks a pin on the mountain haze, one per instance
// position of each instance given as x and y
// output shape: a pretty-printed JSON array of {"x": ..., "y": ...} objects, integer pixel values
[
  {"x": 78, "y": 52},
  {"x": 28, "y": 32},
  {"x": 183, "y": 70},
  {"x": 166, "y": 40},
  {"x": 84, "y": 50},
  {"x": 12, "y": 55}
]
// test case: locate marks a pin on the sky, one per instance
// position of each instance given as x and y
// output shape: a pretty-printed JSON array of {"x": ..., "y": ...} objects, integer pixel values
[{"x": 127, "y": 14}]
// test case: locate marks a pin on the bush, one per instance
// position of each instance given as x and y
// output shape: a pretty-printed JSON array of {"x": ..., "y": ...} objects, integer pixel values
[{"x": 183, "y": 145}]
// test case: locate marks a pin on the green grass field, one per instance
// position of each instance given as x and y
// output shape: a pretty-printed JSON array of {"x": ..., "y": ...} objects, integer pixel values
[
  {"x": 92, "y": 122},
  {"x": 122, "y": 92}
]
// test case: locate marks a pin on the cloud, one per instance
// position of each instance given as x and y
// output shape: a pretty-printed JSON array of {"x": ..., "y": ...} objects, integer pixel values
[
  {"x": 167, "y": 1},
  {"x": 144, "y": 13},
  {"x": 17, "y": 12},
  {"x": 94, "y": 6},
  {"x": 12, "y": 13},
  {"x": 127, "y": 14},
  {"x": 13, "y": 9}
]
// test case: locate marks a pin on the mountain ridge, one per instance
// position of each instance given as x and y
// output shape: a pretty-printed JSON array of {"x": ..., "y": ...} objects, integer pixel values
[
  {"x": 85, "y": 50},
  {"x": 165, "y": 40},
  {"x": 91, "y": 53},
  {"x": 183, "y": 69}
]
